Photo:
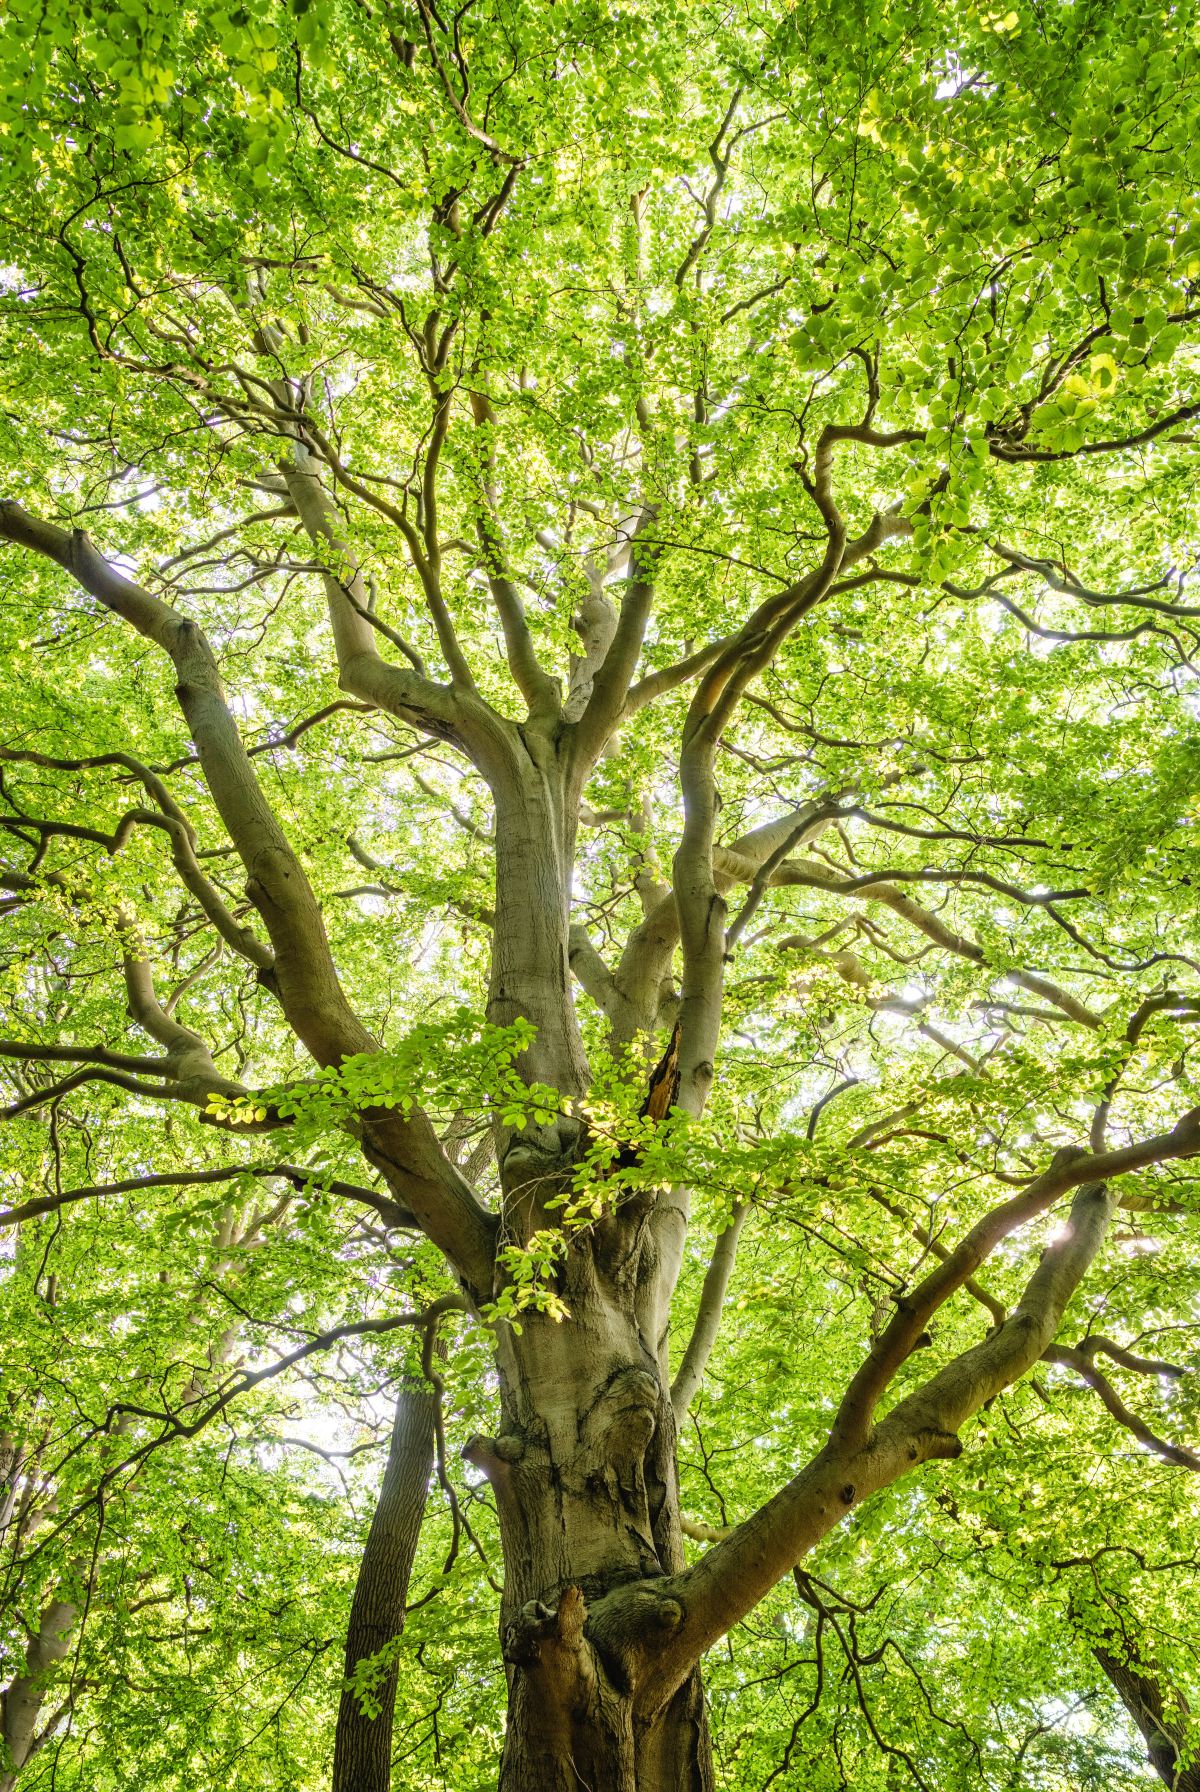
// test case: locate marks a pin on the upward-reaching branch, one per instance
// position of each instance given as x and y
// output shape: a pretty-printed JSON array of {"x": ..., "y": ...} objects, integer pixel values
[
  {"x": 859, "y": 1459},
  {"x": 403, "y": 691},
  {"x": 614, "y": 676},
  {"x": 538, "y": 687},
  {"x": 746, "y": 654},
  {"x": 708, "y": 1319},
  {"x": 303, "y": 974}
]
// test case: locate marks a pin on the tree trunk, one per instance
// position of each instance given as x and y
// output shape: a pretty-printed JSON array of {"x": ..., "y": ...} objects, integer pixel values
[
  {"x": 571, "y": 1728},
  {"x": 362, "y": 1757},
  {"x": 23, "y": 1700},
  {"x": 583, "y": 1467},
  {"x": 586, "y": 1491},
  {"x": 1165, "y": 1731}
]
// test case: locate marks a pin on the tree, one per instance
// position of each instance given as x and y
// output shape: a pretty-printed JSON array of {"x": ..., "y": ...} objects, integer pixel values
[{"x": 721, "y": 483}]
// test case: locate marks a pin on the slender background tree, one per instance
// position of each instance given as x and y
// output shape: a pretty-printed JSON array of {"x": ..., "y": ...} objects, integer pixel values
[{"x": 600, "y": 771}]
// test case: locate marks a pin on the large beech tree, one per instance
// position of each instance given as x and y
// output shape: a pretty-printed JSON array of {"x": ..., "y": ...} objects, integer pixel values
[{"x": 601, "y": 612}]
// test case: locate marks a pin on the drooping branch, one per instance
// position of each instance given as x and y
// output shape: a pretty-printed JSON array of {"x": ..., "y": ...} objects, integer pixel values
[
  {"x": 1082, "y": 1362},
  {"x": 31, "y": 1051},
  {"x": 1059, "y": 577},
  {"x": 171, "y": 819},
  {"x": 117, "y": 1079},
  {"x": 812, "y": 875},
  {"x": 391, "y": 1212},
  {"x": 290, "y": 736},
  {"x": 1011, "y": 448},
  {"x": 187, "y": 1072},
  {"x": 193, "y": 1418}
]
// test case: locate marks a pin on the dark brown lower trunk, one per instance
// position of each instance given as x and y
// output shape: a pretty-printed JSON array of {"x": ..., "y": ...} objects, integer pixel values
[
  {"x": 586, "y": 1493},
  {"x": 572, "y": 1729},
  {"x": 362, "y": 1759},
  {"x": 1164, "y": 1730}
]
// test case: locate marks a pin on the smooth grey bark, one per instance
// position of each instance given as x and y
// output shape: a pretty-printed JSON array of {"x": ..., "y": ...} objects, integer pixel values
[
  {"x": 583, "y": 1466},
  {"x": 530, "y": 975},
  {"x": 362, "y": 1757},
  {"x": 603, "y": 1624},
  {"x": 690, "y": 1373},
  {"x": 23, "y": 1700}
]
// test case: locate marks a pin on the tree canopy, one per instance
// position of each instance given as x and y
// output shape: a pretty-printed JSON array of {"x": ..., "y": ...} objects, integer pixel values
[{"x": 599, "y": 786}]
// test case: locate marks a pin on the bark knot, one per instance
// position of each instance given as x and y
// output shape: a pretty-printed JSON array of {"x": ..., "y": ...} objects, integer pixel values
[
  {"x": 934, "y": 1446},
  {"x": 548, "y": 1635}
]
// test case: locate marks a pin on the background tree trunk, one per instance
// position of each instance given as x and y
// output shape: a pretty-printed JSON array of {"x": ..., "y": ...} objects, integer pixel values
[
  {"x": 23, "y": 1700},
  {"x": 362, "y": 1759},
  {"x": 1147, "y": 1701}
]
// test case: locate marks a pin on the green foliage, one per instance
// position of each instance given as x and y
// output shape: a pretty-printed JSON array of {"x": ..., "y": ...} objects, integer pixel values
[
  {"x": 442, "y": 1067},
  {"x": 976, "y": 227}
]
